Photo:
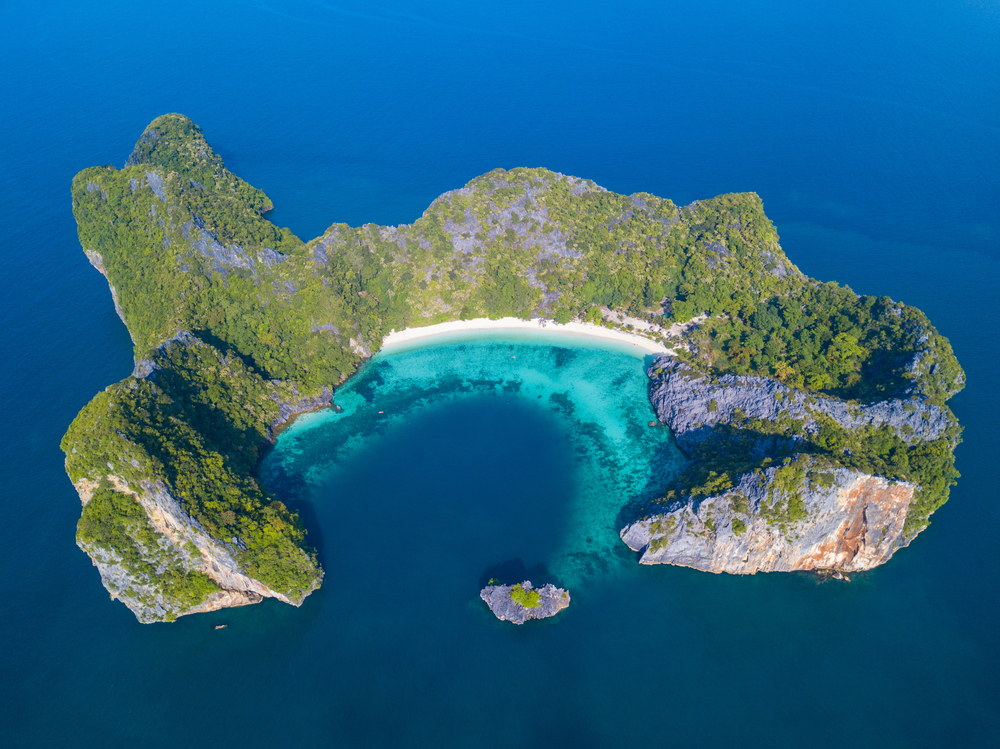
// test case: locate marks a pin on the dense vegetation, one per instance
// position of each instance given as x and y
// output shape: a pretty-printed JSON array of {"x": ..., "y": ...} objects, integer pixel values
[
  {"x": 226, "y": 205},
  {"x": 114, "y": 520},
  {"x": 185, "y": 244},
  {"x": 530, "y": 598},
  {"x": 825, "y": 338},
  {"x": 197, "y": 424},
  {"x": 751, "y": 446}
]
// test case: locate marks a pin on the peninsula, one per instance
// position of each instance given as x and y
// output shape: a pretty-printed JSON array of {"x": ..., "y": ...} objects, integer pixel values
[{"x": 815, "y": 419}]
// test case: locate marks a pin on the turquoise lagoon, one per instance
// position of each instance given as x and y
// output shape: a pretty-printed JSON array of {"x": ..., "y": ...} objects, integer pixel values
[{"x": 495, "y": 451}]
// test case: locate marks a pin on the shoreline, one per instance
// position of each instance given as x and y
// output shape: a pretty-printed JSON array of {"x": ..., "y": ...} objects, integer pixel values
[
  {"x": 589, "y": 330},
  {"x": 401, "y": 338}
]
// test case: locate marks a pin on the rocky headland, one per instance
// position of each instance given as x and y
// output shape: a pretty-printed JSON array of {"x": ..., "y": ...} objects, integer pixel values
[
  {"x": 519, "y": 603},
  {"x": 163, "y": 560},
  {"x": 774, "y": 484}
]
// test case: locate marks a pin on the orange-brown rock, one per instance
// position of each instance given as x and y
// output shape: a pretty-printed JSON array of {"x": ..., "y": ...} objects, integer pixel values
[
  {"x": 807, "y": 518},
  {"x": 183, "y": 539}
]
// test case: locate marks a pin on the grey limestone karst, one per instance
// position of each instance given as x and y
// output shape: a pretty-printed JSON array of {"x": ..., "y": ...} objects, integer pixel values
[
  {"x": 547, "y": 601},
  {"x": 166, "y": 543},
  {"x": 180, "y": 541},
  {"x": 796, "y": 508},
  {"x": 838, "y": 521},
  {"x": 238, "y": 325},
  {"x": 692, "y": 403}
]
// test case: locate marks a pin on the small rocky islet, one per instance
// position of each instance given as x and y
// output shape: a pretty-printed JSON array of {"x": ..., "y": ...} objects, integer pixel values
[{"x": 521, "y": 602}]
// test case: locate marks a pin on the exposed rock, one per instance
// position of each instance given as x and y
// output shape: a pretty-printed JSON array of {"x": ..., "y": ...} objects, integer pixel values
[
  {"x": 807, "y": 513},
  {"x": 148, "y": 366},
  {"x": 98, "y": 262},
  {"x": 144, "y": 368},
  {"x": 181, "y": 538},
  {"x": 839, "y": 520},
  {"x": 546, "y": 231},
  {"x": 167, "y": 544},
  {"x": 135, "y": 158},
  {"x": 924, "y": 362},
  {"x": 692, "y": 404},
  {"x": 550, "y": 601},
  {"x": 156, "y": 185},
  {"x": 224, "y": 258},
  {"x": 360, "y": 348},
  {"x": 289, "y": 409}
]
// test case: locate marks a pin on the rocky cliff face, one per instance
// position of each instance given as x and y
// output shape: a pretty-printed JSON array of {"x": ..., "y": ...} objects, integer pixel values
[
  {"x": 148, "y": 532},
  {"x": 820, "y": 520},
  {"x": 181, "y": 545},
  {"x": 693, "y": 405},
  {"x": 98, "y": 262},
  {"x": 788, "y": 505},
  {"x": 186, "y": 527},
  {"x": 296, "y": 404}
]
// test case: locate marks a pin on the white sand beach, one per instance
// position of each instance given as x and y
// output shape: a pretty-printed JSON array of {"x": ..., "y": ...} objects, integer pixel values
[{"x": 396, "y": 338}]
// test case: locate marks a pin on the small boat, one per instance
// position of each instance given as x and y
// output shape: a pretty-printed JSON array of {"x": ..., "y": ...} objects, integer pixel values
[{"x": 221, "y": 626}]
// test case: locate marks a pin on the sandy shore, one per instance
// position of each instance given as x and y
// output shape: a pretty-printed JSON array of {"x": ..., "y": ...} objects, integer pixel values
[{"x": 513, "y": 323}]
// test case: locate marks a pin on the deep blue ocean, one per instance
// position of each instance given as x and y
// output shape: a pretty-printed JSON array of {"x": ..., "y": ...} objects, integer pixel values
[{"x": 870, "y": 130}]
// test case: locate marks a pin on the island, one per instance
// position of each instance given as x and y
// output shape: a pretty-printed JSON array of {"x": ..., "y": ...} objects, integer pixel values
[
  {"x": 815, "y": 419},
  {"x": 521, "y": 602}
]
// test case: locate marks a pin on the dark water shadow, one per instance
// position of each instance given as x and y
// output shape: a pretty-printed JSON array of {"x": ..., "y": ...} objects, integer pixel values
[
  {"x": 514, "y": 571},
  {"x": 293, "y": 490}
]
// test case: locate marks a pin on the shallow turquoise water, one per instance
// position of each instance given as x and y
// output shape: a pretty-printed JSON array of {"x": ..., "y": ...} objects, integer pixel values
[{"x": 531, "y": 444}]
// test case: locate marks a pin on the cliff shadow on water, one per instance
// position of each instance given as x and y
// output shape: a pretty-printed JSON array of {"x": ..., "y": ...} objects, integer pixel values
[
  {"x": 515, "y": 571},
  {"x": 666, "y": 463}
]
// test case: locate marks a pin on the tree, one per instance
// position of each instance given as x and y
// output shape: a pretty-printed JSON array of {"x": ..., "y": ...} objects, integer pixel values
[
  {"x": 783, "y": 371},
  {"x": 563, "y": 316}
]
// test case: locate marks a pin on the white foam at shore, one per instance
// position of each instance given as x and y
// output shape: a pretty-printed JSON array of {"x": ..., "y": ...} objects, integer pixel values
[{"x": 396, "y": 338}]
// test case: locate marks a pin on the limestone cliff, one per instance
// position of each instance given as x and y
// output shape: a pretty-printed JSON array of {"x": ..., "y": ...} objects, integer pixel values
[
  {"x": 178, "y": 521},
  {"x": 783, "y": 480},
  {"x": 840, "y": 520},
  {"x": 695, "y": 404},
  {"x": 180, "y": 546},
  {"x": 160, "y": 549},
  {"x": 98, "y": 262}
]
